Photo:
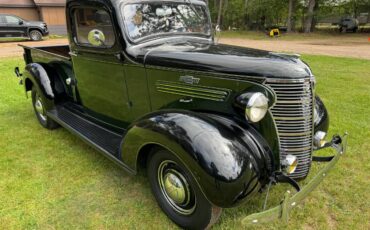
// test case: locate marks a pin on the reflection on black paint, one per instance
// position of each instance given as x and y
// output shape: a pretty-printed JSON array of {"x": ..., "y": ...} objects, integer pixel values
[
  {"x": 191, "y": 54},
  {"x": 217, "y": 150}
]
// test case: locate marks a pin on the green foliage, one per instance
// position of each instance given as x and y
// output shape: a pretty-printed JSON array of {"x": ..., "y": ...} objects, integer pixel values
[
  {"x": 257, "y": 14},
  {"x": 234, "y": 14},
  {"x": 251, "y": 13}
]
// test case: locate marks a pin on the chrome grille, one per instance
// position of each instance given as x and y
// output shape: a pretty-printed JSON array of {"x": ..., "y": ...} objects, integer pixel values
[{"x": 294, "y": 119}]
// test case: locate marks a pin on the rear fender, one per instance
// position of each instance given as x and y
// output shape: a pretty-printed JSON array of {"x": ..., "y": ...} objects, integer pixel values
[
  {"x": 39, "y": 77},
  {"x": 226, "y": 160}
]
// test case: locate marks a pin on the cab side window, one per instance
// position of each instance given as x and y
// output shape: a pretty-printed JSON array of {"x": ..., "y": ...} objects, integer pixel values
[
  {"x": 2, "y": 19},
  {"x": 12, "y": 20},
  {"x": 93, "y": 28}
]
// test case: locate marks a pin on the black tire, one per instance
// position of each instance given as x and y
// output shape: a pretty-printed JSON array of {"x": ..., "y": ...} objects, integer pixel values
[
  {"x": 195, "y": 211},
  {"x": 38, "y": 106},
  {"x": 35, "y": 35}
]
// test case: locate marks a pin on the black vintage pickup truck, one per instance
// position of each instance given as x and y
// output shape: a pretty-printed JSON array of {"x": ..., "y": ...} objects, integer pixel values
[{"x": 146, "y": 85}]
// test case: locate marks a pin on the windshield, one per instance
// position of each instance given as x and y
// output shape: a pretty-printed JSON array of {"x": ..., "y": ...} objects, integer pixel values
[{"x": 154, "y": 18}]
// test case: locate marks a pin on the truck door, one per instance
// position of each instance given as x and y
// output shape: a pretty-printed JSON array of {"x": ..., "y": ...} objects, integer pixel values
[{"x": 95, "y": 52}]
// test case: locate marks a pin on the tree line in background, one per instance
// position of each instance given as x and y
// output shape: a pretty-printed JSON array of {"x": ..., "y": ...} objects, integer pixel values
[{"x": 296, "y": 15}]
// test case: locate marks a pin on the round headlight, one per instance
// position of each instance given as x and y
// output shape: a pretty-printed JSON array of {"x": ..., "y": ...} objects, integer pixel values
[{"x": 257, "y": 107}]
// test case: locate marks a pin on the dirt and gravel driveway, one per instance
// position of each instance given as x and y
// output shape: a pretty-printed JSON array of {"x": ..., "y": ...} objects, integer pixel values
[
  {"x": 358, "y": 47},
  {"x": 343, "y": 47}
]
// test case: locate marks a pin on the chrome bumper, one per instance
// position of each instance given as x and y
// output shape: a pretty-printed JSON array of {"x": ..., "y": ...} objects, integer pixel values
[{"x": 290, "y": 201}]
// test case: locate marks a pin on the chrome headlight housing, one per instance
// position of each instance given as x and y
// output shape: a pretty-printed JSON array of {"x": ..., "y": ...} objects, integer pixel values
[
  {"x": 290, "y": 164},
  {"x": 257, "y": 107},
  {"x": 319, "y": 139}
]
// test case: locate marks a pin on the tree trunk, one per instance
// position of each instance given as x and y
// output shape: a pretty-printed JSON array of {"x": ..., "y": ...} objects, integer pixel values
[
  {"x": 355, "y": 9},
  {"x": 246, "y": 16},
  {"x": 291, "y": 15},
  {"x": 224, "y": 9},
  {"x": 314, "y": 17},
  {"x": 219, "y": 13},
  {"x": 226, "y": 2},
  {"x": 309, "y": 16},
  {"x": 245, "y": 5}
]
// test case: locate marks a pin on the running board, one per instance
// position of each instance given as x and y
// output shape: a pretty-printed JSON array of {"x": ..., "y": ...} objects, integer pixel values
[{"x": 102, "y": 139}]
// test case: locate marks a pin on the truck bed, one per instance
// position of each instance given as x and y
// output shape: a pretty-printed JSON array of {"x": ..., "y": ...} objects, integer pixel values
[{"x": 45, "y": 54}]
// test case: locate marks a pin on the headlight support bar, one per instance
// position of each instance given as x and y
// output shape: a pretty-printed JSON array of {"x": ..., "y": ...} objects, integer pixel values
[{"x": 290, "y": 201}]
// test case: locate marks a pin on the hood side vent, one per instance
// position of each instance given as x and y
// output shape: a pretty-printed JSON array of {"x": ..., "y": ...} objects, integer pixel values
[{"x": 194, "y": 91}]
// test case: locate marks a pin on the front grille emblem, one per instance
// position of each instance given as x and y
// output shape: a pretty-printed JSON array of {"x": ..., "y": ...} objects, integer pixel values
[{"x": 189, "y": 79}]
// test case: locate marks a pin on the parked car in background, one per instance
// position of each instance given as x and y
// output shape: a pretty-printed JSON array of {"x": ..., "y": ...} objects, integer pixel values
[
  {"x": 348, "y": 24},
  {"x": 14, "y": 26}
]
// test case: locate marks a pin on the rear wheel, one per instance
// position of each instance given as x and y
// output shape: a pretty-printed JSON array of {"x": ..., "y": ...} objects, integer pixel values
[
  {"x": 35, "y": 35},
  {"x": 39, "y": 107},
  {"x": 178, "y": 194}
]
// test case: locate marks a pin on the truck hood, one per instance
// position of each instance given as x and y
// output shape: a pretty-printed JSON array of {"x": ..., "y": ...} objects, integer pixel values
[
  {"x": 34, "y": 23},
  {"x": 219, "y": 58}
]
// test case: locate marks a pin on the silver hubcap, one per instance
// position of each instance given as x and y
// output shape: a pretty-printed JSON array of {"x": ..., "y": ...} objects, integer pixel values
[
  {"x": 35, "y": 35},
  {"x": 40, "y": 108},
  {"x": 175, "y": 188}
]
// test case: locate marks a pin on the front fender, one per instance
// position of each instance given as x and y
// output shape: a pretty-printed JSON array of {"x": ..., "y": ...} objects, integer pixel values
[
  {"x": 34, "y": 28},
  {"x": 227, "y": 161},
  {"x": 321, "y": 118}
]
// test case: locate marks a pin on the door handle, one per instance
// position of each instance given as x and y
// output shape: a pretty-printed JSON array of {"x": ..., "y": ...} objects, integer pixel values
[
  {"x": 120, "y": 56},
  {"x": 68, "y": 81},
  {"x": 71, "y": 81},
  {"x": 74, "y": 54},
  {"x": 187, "y": 100}
]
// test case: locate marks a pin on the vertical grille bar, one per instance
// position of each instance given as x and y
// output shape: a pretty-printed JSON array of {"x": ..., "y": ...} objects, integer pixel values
[{"x": 293, "y": 114}]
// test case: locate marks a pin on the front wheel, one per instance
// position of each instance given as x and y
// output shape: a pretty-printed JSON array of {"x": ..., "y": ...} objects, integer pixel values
[
  {"x": 35, "y": 35},
  {"x": 178, "y": 194},
  {"x": 40, "y": 111}
]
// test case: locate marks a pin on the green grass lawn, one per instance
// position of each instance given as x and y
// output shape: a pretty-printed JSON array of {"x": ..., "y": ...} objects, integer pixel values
[
  {"x": 52, "y": 180},
  {"x": 51, "y": 36}
]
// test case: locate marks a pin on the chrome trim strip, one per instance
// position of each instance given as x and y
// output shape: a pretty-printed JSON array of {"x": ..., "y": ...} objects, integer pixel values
[
  {"x": 284, "y": 80},
  {"x": 292, "y": 118}
]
